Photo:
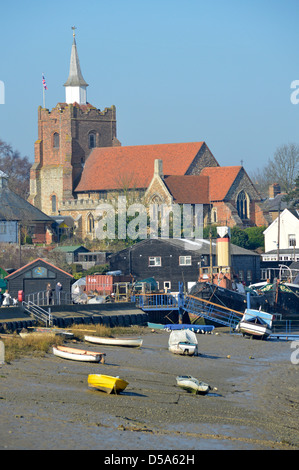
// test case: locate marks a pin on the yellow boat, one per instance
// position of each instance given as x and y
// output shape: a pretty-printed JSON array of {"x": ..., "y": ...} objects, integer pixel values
[{"x": 106, "y": 383}]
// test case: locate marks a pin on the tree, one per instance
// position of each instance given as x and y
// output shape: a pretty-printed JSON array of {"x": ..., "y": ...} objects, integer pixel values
[
  {"x": 255, "y": 237},
  {"x": 282, "y": 169},
  {"x": 239, "y": 237},
  {"x": 17, "y": 169}
]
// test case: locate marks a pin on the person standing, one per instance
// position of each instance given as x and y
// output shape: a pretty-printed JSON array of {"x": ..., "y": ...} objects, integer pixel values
[
  {"x": 7, "y": 297},
  {"x": 58, "y": 292},
  {"x": 1, "y": 297},
  {"x": 49, "y": 294}
]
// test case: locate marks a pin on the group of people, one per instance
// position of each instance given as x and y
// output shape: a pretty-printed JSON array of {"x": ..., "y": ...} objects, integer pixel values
[
  {"x": 6, "y": 299},
  {"x": 49, "y": 293}
]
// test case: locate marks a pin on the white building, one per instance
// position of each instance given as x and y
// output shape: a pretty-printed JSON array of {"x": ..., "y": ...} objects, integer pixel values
[{"x": 282, "y": 237}]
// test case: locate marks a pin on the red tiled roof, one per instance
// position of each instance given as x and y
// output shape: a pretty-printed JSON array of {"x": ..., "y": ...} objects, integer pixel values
[
  {"x": 188, "y": 189},
  {"x": 221, "y": 180},
  {"x": 109, "y": 168}
]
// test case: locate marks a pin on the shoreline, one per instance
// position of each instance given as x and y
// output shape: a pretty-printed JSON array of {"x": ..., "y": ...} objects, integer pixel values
[{"x": 46, "y": 403}]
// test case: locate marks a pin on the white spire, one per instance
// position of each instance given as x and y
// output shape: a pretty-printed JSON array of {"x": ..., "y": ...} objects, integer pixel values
[{"x": 75, "y": 86}]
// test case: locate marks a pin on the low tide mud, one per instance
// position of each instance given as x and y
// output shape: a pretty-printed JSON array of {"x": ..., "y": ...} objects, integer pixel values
[{"x": 253, "y": 405}]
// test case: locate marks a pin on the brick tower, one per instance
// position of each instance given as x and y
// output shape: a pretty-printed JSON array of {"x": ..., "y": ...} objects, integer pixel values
[{"x": 66, "y": 136}]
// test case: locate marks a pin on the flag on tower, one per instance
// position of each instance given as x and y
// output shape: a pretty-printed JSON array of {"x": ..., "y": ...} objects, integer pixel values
[{"x": 44, "y": 83}]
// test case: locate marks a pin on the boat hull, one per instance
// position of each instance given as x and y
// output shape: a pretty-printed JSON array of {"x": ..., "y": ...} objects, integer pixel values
[
  {"x": 78, "y": 354},
  {"x": 192, "y": 385},
  {"x": 254, "y": 330},
  {"x": 128, "y": 342},
  {"x": 106, "y": 383},
  {"x": 185, "y": 349}
]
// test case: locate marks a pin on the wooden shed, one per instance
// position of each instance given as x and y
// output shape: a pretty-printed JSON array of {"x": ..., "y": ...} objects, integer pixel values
[{"x": 34, "y": 277}]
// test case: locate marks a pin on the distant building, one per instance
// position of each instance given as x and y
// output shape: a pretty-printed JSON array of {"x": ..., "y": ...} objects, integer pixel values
[
  {"x": 17, "y": 215},
  {"x": 170, "y": 261}
]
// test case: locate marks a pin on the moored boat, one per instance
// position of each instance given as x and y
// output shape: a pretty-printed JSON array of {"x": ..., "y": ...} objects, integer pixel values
[
  {"x": 48, "y": 331},
  {"x": 192, "y": 385},
  {"x": 78, "y": 354},
  {"x": 256, "y": 324},
  {"x": 106, "y": 383},
  {"x": 129, "y": 342},
  {"x": 183, "y": 342}
]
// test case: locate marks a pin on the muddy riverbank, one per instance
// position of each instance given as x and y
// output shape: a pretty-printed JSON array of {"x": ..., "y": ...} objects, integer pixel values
[{"x": 46, "y": 404}]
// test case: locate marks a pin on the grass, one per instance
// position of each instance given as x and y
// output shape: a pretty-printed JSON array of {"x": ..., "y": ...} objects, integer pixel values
[
  {"x": 35, "y": 345},
  {"x": 39, "y": 345}
]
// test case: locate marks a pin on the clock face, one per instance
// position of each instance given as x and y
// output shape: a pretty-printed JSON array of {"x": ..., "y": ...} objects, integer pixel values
[{"x": 39, "y": 272}]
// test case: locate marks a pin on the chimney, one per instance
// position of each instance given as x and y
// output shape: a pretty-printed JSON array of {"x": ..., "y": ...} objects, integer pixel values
[
  {"x": 158, "y": 168},
  {"x": 274, "y": 189}
]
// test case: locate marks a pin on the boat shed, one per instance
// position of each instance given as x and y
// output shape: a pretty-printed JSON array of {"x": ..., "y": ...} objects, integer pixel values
[{"x": 34, "y": 277}]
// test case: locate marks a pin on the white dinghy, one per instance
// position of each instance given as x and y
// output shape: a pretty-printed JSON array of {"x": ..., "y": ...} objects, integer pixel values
[
  {"x": 183, "y": 342},
  {"x": 192, "y": 385}
]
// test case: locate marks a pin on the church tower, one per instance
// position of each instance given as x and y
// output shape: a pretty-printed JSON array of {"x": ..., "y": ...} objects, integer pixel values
[{"x": 66, "y": 136}]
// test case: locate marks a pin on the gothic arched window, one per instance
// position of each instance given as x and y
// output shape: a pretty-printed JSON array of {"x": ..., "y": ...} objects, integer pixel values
[
  {"x": 90, "y": 223},
  {"x": 56, "y": 140},
  {"x": 242, "y": 205},
  {"x": 92, "y": 140}
]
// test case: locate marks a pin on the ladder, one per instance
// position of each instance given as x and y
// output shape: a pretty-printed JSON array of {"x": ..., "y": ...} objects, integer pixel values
[
  {"x": 38, "y": 312},
  {"x": 204, "y": 308}
]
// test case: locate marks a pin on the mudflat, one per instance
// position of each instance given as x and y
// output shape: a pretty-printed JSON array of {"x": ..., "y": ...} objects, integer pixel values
[{"x": 253, "y": 405}]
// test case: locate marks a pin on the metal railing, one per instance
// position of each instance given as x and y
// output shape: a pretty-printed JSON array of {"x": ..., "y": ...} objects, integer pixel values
[
  {"x": 204, "y": 308},
  {"x": 42, "y": 299},
  {"x": 38, "y": 313},
  {"x": 156, "y": 301}
]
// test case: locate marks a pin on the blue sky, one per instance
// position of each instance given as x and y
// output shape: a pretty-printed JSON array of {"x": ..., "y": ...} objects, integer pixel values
[{"x": 177, "y": 71}]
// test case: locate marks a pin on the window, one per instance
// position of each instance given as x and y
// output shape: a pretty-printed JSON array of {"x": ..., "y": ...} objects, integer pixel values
[
  {"x": 241, "y": 275},
  {"x": 185, "y": 261},
  {"x": 54, "y": 203},
  {"x": 154, "y": 261},
  {"x": 90, "y": 223},
  {"x": 249, "y": 275},
  {"x": 2, "y": 227},
  {"x": 92, "y": 140},
  {"x": 242, "y": 206},
  {"x": 56, "y": 140},
  {"x": 292, "y": 240},
  {"x": 167, "y": 285}
]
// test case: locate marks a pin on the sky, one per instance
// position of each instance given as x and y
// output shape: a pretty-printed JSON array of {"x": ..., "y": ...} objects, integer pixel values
[{"x": 218, "y": 71}]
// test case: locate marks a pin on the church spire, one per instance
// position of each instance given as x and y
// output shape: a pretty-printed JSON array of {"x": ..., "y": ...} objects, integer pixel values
[{"x": 75, "y": 86}]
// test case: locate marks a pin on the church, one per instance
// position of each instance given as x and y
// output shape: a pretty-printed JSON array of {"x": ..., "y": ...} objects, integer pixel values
[{"x": 79, "y": 163}]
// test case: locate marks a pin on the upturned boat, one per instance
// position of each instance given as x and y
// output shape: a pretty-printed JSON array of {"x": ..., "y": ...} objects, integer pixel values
[
  {"x": 106, "y": 383},
  {"x": 183, "y": 342},
  {"x": 129, "y": 342},
  {"x": 192, "y": 385},
  {"x": 78, "y": 354}
]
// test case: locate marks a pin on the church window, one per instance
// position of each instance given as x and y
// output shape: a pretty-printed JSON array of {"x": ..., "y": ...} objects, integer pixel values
[
  {"x": 90, "y": 223},
  {"x": 56, "y": 140},
  {"x": 54, "y": 203},
  {"x": 214, "y": 215},
  {"x": 242, "y": 206},
  {"x": 92, "y": 140}
]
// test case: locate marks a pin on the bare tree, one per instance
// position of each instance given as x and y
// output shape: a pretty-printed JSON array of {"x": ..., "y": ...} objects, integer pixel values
[
  {"x": 282, "y": 169},
  {"x": 17, "y": 169}
]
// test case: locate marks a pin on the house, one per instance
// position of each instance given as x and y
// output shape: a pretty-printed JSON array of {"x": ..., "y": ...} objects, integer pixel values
[
  {"x": 71, "y": 252},
  {"x": 171, "y": 261},
  {"x": 34, "y": 277},
  {"x": 283, "y": 233},
  {"x": 18, "y": 216}
]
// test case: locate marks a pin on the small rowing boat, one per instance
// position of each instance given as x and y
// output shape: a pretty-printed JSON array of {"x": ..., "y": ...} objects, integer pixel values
[
  {"x": 106, "y": 383},
  {"x": 255, "y": 323},
  {"x": 78, "y": 354},
  {"x": 45, "y": 331},
  {"x": 129, "y": 342},
  {"x": 192, "y": 385}
]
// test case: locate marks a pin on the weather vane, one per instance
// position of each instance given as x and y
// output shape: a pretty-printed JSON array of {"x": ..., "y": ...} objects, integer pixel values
[{"x": 73, "y": 28}]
